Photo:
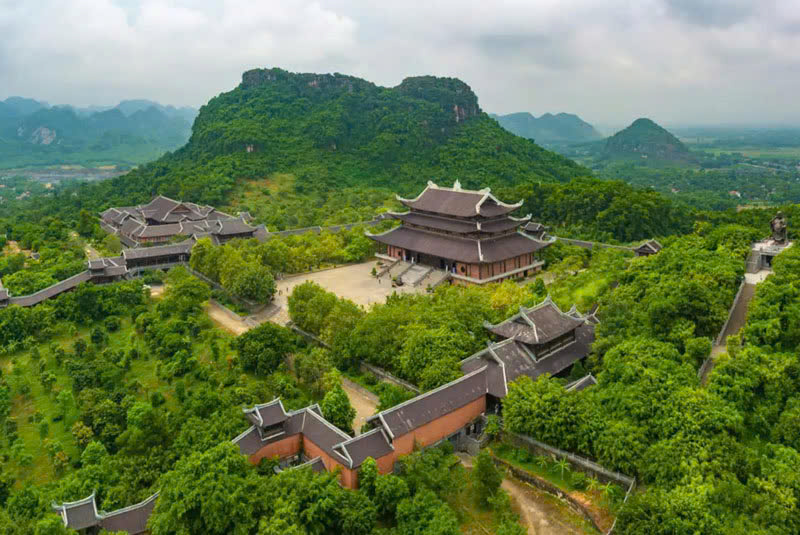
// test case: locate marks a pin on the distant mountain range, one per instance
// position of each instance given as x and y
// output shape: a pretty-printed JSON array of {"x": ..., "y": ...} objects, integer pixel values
[
  {"x": 644, "y": 139},
  {"x": 549, "y": 129},
  {"x": 134, "y": 131}
]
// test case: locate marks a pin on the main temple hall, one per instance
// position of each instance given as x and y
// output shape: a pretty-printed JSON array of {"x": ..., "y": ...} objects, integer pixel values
[{"x": 470, "y": 234}]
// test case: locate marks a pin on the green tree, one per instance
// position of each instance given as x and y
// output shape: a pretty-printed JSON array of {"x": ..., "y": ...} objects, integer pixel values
[
  {"x": 112, "y": 243},
  {"x": 425, "y": 514},
  {"x": 213, "y": 492},
  {"x": 367, "y": 476},
  {"x": 486, "y": 478},
  {"x": 255, "y": 283},
  {"x": 52, "y": 525},
  {"x": 336, "y": 408},
  {"x": 263, "y": 349},
  {"x": 390, "y": 490}
]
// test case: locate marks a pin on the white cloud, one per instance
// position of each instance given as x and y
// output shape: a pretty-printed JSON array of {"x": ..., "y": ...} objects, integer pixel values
[{"x": 607, "y": 60}]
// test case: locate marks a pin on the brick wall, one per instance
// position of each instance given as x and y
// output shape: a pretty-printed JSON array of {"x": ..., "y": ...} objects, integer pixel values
[
  {"x": 282, "y": 448},
  {"x": 348, "y": 477},
  {"x": 432, "y": 432}
]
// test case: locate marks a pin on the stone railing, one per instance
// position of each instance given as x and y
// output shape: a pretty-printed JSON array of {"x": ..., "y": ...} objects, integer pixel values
[
  {"x": 576, "y": 461},
  {"x": 386, "y": 376}
]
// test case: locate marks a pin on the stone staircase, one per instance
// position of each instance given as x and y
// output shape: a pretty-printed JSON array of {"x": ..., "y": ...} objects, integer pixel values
[
  {"x": 398, "y": 268},
  {"x": 415, "y": 274},
  {"x": 434, "y": 278}
]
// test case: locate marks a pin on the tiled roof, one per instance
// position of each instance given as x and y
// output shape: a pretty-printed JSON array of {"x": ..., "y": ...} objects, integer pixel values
[
  {"x": 537, "y": 325},
  {"x": 51, "y": 291},
  {"x": 373, "y": 444},
  {"x": 470, "y": 251},
  {"x": 267, "y": 414},
  {"x": 316, "y": 464},
  {"x": 81, "y": 514},
  {"x": 535, "y": 227},
  {"x": 584, "y": 382},
  {"x": 160, "y": 250},
  {"x": 159, "y": 231},
  {"x": 326, "y": 436},
  {"x": 650, "y": 246},
  {"x": 517, "y": 362},
  {"x": 308, "y": 421},
  {"x": 458, "y": 202},
  {"x": 233, "y": 226},
  {"x": 132, "y": 519},
  {"x": 427, "y": 407},
  {"x": 459, "y": 226},
  {"x": 250, "y": 441}
]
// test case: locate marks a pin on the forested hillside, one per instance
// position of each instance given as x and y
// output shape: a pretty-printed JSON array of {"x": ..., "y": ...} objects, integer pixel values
[
  {"x": 645, "y": 139},
  {"x": 331, "y": 131}
]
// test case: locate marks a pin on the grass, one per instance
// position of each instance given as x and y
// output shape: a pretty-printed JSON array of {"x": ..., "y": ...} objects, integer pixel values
[
  {"x": 547, "y": 469},
  {"x": 474, "y": 520},
  {"x": 253, "y": 191}
]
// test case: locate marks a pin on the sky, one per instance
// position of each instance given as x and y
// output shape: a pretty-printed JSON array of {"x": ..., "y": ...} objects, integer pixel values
[{"x": 678, "y": 62}]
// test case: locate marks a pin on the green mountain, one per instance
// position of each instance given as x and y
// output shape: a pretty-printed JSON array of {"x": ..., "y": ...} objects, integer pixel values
[
  {"x": 645, "y": 140},
  {"x": 32, "y": 133},
  {"x": 330, "y": 131},
  {"x": 549, "y": 129}
]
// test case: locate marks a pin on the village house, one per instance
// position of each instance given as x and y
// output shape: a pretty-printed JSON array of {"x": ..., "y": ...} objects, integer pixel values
[{"x": 469, "y": 234}]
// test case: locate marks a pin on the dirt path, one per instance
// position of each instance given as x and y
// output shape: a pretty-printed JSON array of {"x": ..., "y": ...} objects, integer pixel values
[
  {"x": 364, "y": 405},
  {"x": 540, "y": 513},
  {"x": 91, "y": 252},
  {"x": 222, "y": 319},
  {"x": 157, "y": 291}
]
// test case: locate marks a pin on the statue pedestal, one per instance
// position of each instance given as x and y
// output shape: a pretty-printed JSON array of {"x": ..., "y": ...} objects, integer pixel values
[{"x": 762, "y": 253}]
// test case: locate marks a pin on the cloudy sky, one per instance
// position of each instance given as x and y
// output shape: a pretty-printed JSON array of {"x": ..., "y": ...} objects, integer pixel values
[{"x": 610, "y": 61}]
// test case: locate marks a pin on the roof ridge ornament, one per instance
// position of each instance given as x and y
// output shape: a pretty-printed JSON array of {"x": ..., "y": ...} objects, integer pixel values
[{"x": 524, "y": 314}]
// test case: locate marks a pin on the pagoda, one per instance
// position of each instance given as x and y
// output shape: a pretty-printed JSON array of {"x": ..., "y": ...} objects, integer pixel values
[{"x": 467, "y": 233}]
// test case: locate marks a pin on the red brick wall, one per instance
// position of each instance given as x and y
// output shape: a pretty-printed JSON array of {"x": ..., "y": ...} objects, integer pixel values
[
  {"x": 396, "y": 252},
  {"x": 282, "y": 448},
  {"x": 432, "y": 432},
  {"x": 292, "y": 446},
  {"x": 348, "y": 477}
]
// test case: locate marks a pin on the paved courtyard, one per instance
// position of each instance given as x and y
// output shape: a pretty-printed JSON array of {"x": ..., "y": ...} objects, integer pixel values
[{"x": 354, "y": 282}]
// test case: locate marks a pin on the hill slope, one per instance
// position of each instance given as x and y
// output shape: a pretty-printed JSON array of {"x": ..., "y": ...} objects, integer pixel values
[
  {"x": 549, "y": 129},
  {"x": 644, "y": 139},
  {"x": 331, "y": 131}
]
